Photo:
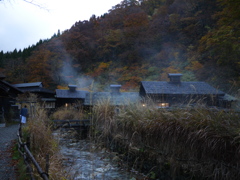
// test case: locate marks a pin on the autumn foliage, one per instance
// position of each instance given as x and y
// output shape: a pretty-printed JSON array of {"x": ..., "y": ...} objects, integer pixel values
[{"x": 135, "y": 41}]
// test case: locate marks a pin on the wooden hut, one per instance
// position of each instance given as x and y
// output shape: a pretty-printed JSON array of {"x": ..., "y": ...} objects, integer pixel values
[
  {"x": 178, "y": 93},
  {"x": 8, "y": 94},
  {"x": 71, "y": 96},
  {"x": 44, "y": 96},
  {"x": 114, "y": 97}
]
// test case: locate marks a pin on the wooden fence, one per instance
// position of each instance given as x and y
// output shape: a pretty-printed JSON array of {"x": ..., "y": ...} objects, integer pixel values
[{"x": 24, "y": 149}]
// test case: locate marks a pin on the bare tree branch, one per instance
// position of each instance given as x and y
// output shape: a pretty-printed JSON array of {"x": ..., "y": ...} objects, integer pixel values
[{"x": 33, "y": 2}]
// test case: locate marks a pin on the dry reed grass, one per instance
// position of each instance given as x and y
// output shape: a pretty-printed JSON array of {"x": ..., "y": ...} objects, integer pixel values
[
  {"x": 103, "y": 120},
  {"x": 68, "y": 113},
  {"x": 43, "y": 143},
  {"x": 191, "y": 142}
]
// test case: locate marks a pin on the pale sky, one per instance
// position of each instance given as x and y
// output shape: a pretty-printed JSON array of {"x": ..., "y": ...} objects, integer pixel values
[{"x": 23, "y": 24}]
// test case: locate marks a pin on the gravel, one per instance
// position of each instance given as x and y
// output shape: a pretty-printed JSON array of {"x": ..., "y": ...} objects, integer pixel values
[{"x": 7, "y": 136}]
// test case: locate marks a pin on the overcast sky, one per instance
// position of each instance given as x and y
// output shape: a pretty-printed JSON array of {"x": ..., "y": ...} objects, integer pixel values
[{"x": 23, "y": 24}]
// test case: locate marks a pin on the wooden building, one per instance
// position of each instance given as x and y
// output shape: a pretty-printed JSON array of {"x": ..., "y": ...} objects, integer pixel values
[
  {"x": 114, "y": 97},
  {"x": 8, "y": 94},
  {"x": 44, "y": 96},
  {"x": 71, "y": 96},
  {"x": 178, "y": 93}
]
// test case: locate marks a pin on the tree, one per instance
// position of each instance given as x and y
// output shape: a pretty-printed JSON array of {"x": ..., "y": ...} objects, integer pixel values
[
  {"x": 110, "y": 45},
  {"x": 38, "y": 67},
  {"x": 1, "y": 59},
  {"x": 222, "y": 43},
  {"x": 127, "y": 3},
  {"x": 220, "y": 46}
]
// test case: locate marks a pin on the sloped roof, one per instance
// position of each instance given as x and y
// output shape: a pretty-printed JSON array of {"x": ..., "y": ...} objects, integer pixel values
[
  {"x": 121, "y": 98},
  {"x": 60, "y": 93},
  {"x": 38, "y": 90},
  {"x": 6, "y": 89},
  {"x": 163, "y": 87},
  {"x": 174, "y": 74},
  {"x": 27, "y": 85},
  {"x": 35, "y": 87}
]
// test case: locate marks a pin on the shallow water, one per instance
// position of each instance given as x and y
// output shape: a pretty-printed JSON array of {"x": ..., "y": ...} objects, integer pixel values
[{"x": 84, "y": 161}]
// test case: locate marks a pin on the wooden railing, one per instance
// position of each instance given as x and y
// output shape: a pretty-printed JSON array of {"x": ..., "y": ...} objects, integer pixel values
[
  {"x": 84, "y": 123},
  {"x": 24, "y": 149}
]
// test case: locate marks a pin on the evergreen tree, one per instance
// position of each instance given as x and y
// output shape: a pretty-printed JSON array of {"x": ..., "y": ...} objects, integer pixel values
[{"x": 1, "y": 59}]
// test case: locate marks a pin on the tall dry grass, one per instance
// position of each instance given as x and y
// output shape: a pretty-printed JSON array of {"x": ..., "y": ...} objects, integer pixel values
[
  {"x": 193, "y": 143},
  {"x": 102, "y": 120},
  {"x": 43, "y": 143},
  {"x": 68, "y": 113}
]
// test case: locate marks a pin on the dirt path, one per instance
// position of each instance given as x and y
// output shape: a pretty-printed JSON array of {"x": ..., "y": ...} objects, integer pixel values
[{"x": 7, "y": 135}]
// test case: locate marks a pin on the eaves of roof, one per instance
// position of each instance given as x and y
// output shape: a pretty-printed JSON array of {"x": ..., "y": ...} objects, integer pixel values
[
  {"x": 24, "y": 85},
  {"x": 37, "y": 90},
  {"x": 11, "y": 86}
]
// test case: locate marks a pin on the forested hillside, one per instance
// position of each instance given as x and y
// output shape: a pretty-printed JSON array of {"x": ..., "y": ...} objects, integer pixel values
[{"x": 135, "y": 41}]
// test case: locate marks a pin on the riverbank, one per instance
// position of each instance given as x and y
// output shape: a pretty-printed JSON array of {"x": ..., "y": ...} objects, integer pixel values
[
  {"x": 84, "y": 160},
  {"x": 195, "y": 143}
]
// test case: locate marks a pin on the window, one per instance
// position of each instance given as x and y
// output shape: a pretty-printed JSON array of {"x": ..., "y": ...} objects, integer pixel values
[
  {"x": 49, "y": 104},
  {"x": 163, "y": 105}
]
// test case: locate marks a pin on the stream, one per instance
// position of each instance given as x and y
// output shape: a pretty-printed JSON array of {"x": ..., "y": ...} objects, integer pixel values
[{"x": 84, "y": 161}]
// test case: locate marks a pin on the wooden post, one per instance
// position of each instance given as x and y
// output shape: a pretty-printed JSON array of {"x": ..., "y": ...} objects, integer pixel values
[
  {"x": 28, "y": 146},
  {"x": 20, "y": 130},
  {"x": 47, "y": 164},
  {"x": 28, "y": 143}
]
